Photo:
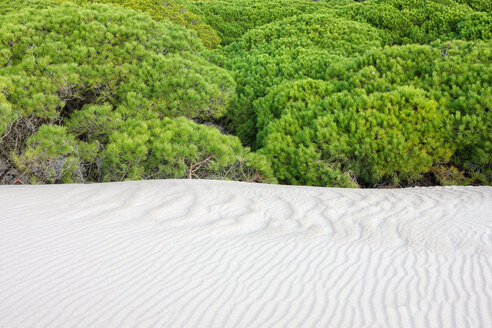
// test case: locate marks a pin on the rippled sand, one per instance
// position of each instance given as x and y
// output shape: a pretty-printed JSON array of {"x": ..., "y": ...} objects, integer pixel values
[{"x": 182, "y": 253}]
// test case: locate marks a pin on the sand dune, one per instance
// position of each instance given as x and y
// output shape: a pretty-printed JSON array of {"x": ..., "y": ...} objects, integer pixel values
[{"x": 226, "y": 254}]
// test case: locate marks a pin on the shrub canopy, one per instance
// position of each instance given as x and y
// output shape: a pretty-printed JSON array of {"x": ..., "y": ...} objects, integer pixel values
[
  {"x": 410, "y": 21},
  {"x": 297, "y": 47},
  {"x": 179, "y": 148},
  {"x": 59, "y": 65},
  {"x": 329, "y": 93},
  {"x": 232, "y": 19},
  {"x": 384, "y": 137},
  {"x": 169, "y": 10}
]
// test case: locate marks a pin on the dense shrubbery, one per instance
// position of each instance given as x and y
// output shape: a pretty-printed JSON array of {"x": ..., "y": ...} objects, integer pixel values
[
  {"x": 406, "y": 21},
  {"x": 56, "y": 62},
  {"x": 480, "y": 5},
  {"x": 232, "y": 19},
  {"x": 453, "y": 77},
  {"x": 179, "y": 148},
  {"x": 410, "y": 21},
  {"x": 456, "y": 74},
  {"x": 476, "y": 26},
  {"x": 53, "y": 155},
  {"x": 15, "y": 5},
  {"x": 329, "y": 93},
  {"x": 297, "y": 47},
  {"x": 382, "y": 137},
  {"x": 168, "y": 10}
]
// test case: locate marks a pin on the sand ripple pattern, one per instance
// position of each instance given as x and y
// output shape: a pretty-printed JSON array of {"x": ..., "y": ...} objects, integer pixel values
[{"x": 225, "y": 254}]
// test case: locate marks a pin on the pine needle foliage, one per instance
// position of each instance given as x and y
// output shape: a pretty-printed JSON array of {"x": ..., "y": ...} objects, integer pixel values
[
  {"x": 232, "y": 19},
  {"x": 329, "y": 93},
  {"x": 167, "y": 10},
  {"x": 456, "y": 74},
  {"x": 379, "y": 138},
  {"x": 63, "y": 58},
  {"x": 180, "y": 148},
  {"x": 294, "y": 48},
  {"x": 412, "y": 21}
]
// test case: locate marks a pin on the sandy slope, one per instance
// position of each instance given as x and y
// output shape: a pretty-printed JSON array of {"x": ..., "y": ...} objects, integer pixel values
[{"x": 224, "y": 254}]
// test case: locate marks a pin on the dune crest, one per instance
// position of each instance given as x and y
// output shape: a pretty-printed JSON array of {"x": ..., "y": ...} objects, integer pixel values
[{"x": 195, "y": 253}]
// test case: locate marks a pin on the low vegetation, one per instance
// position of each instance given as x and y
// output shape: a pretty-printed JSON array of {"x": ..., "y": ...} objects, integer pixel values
[{"x": 327, "y": 93}]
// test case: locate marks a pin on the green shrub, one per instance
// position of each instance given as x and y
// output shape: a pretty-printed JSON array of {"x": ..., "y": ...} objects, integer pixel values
[
  {"x": 476, "y": 26},
  {"x": 456, "y": 74},
  {"x": 455, "y": 77},
  {"x": 8, "y": 6},
  {"x": 179, "y": 148},
  {"x": 52, "y": 156},
  {"x": 388, "y": 137},
  {"x": 59, "y": 60},
  {"x": 449, "y": 176},
  {"x": 7, "y": 114},
  {"x": 168, "y": 10},
  {"x": 480, "y": 5},
  {"x": 297, "y": 47},
  {"x": 297, "y": 95},
  {"x": 410, "y": 21},
  {"x": 232, "y": 19},
  {"x": 331, "y": 93}
]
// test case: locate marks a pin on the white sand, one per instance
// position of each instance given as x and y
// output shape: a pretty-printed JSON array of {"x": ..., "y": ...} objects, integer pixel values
[{"x": 225, "y": 254}]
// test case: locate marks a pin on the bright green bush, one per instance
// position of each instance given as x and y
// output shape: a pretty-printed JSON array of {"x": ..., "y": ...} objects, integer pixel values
[
  {"x": 410, "y": 21},
  {"x": 8, "y": 6},
  {"x": 179, "y": 148},
  {"x": 56, "y": 61},
  {"x": 388, "y": 137},
  {"x": 480, "y": 5},
  {"x": 52, "y": 156},
  {"x": 476, "y": 26},
  {"x": 456, "y": 74},
  {"x": 232, "y": 19},
  {"x": 294, "y": 48},
  {"x": 168, "y": 10}
]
